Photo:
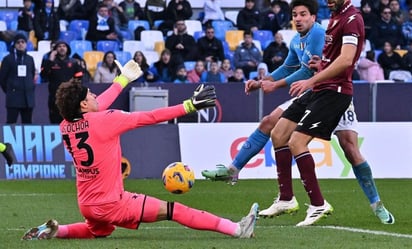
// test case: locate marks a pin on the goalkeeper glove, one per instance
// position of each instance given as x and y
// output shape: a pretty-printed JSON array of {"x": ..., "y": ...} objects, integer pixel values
[
  {"x": 203, "y": 97},
  {"x": 129, "y": 72}
]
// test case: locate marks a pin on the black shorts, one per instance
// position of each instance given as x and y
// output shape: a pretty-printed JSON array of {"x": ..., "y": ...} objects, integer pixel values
[{"x": 318, "y": 113}]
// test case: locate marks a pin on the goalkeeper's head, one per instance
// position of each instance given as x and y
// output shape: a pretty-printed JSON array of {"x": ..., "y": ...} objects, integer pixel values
[{"x": 73, "y": 99}]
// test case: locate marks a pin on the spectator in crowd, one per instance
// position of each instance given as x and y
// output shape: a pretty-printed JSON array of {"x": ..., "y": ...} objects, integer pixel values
[
  {"x": 213, "y": 12},
  {"x": 407, "y": 28},
  {"x": 369, "y": 69},
  {"x": 181, "y": 45},
  {"x": 388, "y": 30},
  {"x": 144, "y": 66},
  {"x": 275, "y": 54},
  {"x": 120, "y": 20},
  {"x": 226, "y": 69},
  {"x": 162, "y": 70},
  {"x": 132, "y": 10},
  {"x": 17, "y": 77},
  {"x": 101, "y": 26},
  {"x": 86, "y": 77},
  {"x": 380, "y": 5},
  {"x": 407, "y": 58},
  {"x": 107, "y": 70},
  {"x": 389, "y": 60},
  {"x": 213, "y": 75},
  {"x": 58, "y": 68},
  {"x": 210, "y": 47},
  {"x": 194, "y": 75},
  {"x": 247, "y": 56},
  {"x": 370, "y": 20},
  {"x": 176, "y": 10},
  {"x": 238, "y": 76},
  {"x": 25, "y": 17},
  {"x": 181, "y": 75},
  {"x": 275, "y": 18},
  {"x": 248, "y": 18},
  {"x": 397, "y": 14},
  {"x": 155, "y": 10},
  {"x": 46, "y": 22},
  {"x": 71, "y": 10},
  {"x": 262, "y": 71}
]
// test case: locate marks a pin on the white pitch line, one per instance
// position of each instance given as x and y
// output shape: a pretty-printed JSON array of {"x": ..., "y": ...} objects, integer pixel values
[{"x": 349, "y": 229}]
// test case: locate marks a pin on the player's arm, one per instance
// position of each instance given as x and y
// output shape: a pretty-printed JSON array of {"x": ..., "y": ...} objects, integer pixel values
[{"x": 129, "y": 72}]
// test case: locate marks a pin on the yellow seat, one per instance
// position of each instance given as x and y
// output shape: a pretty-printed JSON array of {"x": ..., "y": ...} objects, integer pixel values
[
  {"x": 401, "y": 52},
  {"x": 233, "y": 37},
  {"x": 159, "y": 46},
  {"x": 33, "y": 39},
  {"x": 92, "y": 58}
]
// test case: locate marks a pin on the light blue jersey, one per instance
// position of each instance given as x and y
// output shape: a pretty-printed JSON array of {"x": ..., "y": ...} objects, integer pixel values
[{"x": 301, "y": 49}]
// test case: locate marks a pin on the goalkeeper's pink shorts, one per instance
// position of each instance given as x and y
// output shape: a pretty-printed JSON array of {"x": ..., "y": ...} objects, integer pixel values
[{"x": 128, "y": 213}]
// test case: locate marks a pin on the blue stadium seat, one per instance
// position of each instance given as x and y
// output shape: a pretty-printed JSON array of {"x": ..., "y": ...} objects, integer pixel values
[
  {"x": 263, "y": 36},
  {"x": 253, "y": 74},
  {"x": 133, "y": 24},
  {"x": 80, "y": 46},
  {"x": 3, "y": 46},
  {"x": 80, "y": 27},
  {"x": 2, "y": 55},
  {"x": 198, "y": 34},
  {"x": 123, "y": 56},
  {"x": 107, "y": 45},
  {"x": 68, "y": 36},
  {"x": 221, "y": 27},
  {"x": 157, "y": 23},
  {"x": 190, "y": 65},
  {"x": 9, "y": 16}
]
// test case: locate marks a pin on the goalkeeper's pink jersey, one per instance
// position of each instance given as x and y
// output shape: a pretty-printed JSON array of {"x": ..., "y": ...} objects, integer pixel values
[{"x": 94, "y": 143}]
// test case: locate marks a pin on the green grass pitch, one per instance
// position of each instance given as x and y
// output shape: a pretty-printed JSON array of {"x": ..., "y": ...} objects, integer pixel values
[{"x": 24, "y": 204}]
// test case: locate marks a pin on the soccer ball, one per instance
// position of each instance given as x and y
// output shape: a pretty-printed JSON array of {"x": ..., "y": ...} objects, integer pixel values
[{"x": 178, "y": 178}]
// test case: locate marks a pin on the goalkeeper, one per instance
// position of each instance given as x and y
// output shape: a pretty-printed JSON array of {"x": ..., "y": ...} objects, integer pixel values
[{"x": 91, "y": 134}]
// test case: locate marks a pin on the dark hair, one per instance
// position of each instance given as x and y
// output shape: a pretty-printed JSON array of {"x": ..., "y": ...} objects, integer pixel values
[
  {"x": 247, "y": 32},
  {"x": 68, "y": 98},
  {"x": 312, "y": 5},
  {"x": 110, "y": 67},
  {"x": 144, "y": 66}
]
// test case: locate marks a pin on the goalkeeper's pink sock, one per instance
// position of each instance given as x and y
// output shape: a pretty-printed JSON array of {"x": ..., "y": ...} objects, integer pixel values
[
  {"x": 74, "y": 231},
  {"x": 202, "y": 220}
]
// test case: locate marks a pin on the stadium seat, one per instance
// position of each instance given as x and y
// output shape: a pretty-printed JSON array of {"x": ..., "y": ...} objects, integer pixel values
[
  {"x": 3, "y": 54},
  {"x": 63, "y": 25},
  {"x": 92, "y": 58},
  {"x": 400, "y": 75},
  {"x": 3, "y": 46},
  {"x": 9, "y": 16},
  {"x": 133, "y": 24},
  {"x": 13, "y": 25},
  {"x": 198, "y": 34},
  {"x": 123, "y": 56},
  {"x": 37, "y": 57},
  {"x": 263, "y": 36},
  {"x": 133, "y": 46},
  {"x": 107, "y": 45},
  {"x": 231, "y": 15},
  {"x": 225, "y": 47},
  {"x": 190, "y": 65},
  {"x": 233, "y": 37},
  {"x": 151, "y": 57},
  {"x": 401, "y": 52},
  {"x": 221, "y": 27},
  {"x": 80, "y": 46},
  {"x": 192, "y": 26},
  {"x": 157, "y": 23},
  {"x": 159, "y": 46},
  {"x": 67, "y": 36},
  {"x": 127, "y": 35},
  {"x": 149, "y": 37},
  {"x": 3, "y": 25},
  {"x": 253, "y": 74},
  {"x": 287, "y": 35},
  {"x": 80, "y": 27},
  {"x": 44, "y": 46}
]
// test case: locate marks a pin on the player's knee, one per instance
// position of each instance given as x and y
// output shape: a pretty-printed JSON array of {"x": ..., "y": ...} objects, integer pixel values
[{"x": 266, "y": 124}]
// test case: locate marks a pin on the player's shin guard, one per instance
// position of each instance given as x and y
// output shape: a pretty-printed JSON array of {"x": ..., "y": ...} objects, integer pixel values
[{"x": 200, "y": 220}]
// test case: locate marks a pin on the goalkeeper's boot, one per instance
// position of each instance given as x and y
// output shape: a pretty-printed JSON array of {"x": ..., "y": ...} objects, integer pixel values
[
  {"x": 45, "y": 231},
  {"x": 315, "y": 213},
  {"x": 8, "y": 154},
  {"x": 247, "y": 223},
  {"x": 280, "y": 207},
  {"x": 382, "y": 213},
  {"x": 222, "y": 173}
]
